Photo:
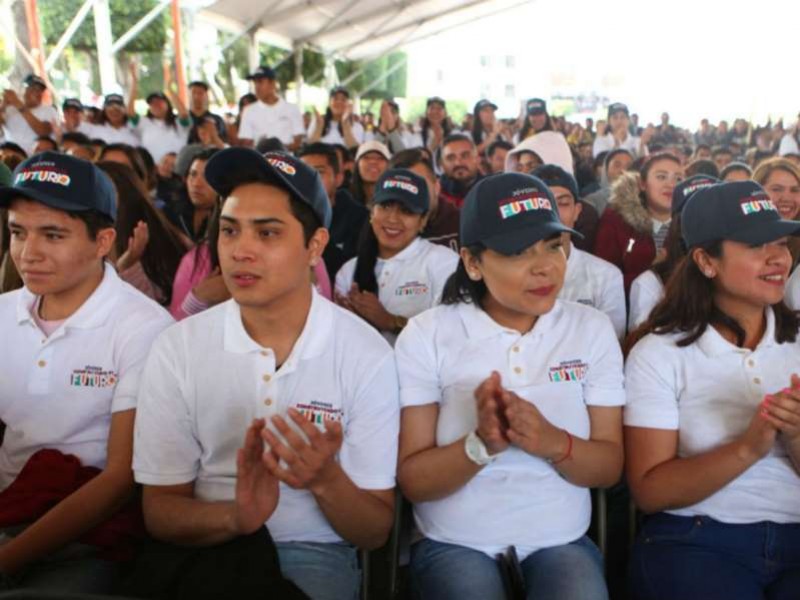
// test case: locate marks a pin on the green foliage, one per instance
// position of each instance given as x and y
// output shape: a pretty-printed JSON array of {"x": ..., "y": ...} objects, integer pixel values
[
  {"x": 56, "y": 15},
  {"x": 393, "y": 86}
]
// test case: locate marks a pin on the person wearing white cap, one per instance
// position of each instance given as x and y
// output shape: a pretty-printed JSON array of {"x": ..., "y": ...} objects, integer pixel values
[{"x": 372, "y": 158}]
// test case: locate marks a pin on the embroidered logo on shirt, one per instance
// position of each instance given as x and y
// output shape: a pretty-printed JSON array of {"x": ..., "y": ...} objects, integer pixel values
[
  {"x": 412, "y": 288},
  {"x": 511, "y": 207},
  {"x": 93, "y": 377},
  {"x": 757, "y": 204},
  {"x": 316, "y": 412},
  {"x": 569, "y": 370}
]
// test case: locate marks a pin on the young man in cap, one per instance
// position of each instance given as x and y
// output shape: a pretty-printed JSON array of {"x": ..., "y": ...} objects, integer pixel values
[
  {"x": 618, "y": 133},
  {"x": 24, "y": 119},
  {"x": 73, "y": 121},
  {"x": 589, "y": 280},
  {"x": 75, "y": 340},
  {"x": 270, "y": 115},
  {"x": 201, "y": 116},
  {"x": 348, "y": 216},
  {"x": 459, "y": 159},
  {"x": 285, "y": 366}
]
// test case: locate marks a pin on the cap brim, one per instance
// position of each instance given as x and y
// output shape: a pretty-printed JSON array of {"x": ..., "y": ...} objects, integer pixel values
[
  {"x": 765, "y": 233},
  {"x": 383, "y": 199},
  {"x": 514, "y": 242},
  {"x": 9, "y": 193}
]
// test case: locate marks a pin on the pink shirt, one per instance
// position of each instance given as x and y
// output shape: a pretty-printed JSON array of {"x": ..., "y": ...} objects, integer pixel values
[{"x": 195, "y": 267}]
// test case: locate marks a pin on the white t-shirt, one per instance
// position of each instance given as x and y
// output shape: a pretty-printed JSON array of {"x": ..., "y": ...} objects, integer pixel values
[
  {"x": 281, "y": 120},
  {"x": 408, "y": 283},
  {"x": 158, "y": 138},
  {"x": 117, "y": 135},
  {"x": 597, "y": 283},
  {"x": 792, "y": 295},
  {"x": 569, "y": 361},
  {"x": 206, "y": 379},
  {"x": 17, "y": 130},
  {"x": 788, "y": 145},
  {"x": 606, "y": 143},
  {"x": 60, "y": 391},
  {"x": 646, "y": 291},
  {"x": 709, "y": 392},
  {"x": 334, "y": 137}
]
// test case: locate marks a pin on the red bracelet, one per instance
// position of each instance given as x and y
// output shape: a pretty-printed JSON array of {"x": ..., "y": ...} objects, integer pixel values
[{"x": 569, "y": 450}]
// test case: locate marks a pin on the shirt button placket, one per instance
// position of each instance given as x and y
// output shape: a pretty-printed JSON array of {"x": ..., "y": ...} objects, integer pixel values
[{"x": 266, "y": 384}]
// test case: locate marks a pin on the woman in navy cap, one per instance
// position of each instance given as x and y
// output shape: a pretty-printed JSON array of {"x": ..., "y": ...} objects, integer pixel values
[
  {"x": 712, "y": 423},
  {"x": 397, "y": 274},
  {"x": 511, "y": 409},
  {"x": 486, "y": 129},
  {"x": 536, "y": 119},
  {"x": 337, "y": 125}
]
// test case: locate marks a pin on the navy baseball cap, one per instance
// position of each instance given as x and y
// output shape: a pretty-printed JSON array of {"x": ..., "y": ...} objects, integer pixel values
[
  {"x": 277, "y": 168},
  {"x": 34, "y": 79},
  {"x": 198, "y": 83},
  {"x": 536, "y": 106},
  {"x": 263, "y": 72},
  {"x": 740, "y": 211},
  {"x": 72, "y": 103},
  {"x": 553, "y": 175},
  {"x": 63, "y": 182},
  {"x": 339, "y": 89},
  {"x": 153, "y": 95},
  {"x": 684, "y": 190},
  {"x": 114, "y": 99},
  {"x": 509, "y": 212},
  {"x": 436, "y": 100},
  {"x": 481, "y": 104},
  {"x": 405, "y": 187},
  {"x": 618, "y": 107}
]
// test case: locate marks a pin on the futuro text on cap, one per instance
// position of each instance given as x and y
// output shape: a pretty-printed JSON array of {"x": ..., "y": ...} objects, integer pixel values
[
  {"x": 405, "y": 187},
  {"x": 684, "y": 190}
]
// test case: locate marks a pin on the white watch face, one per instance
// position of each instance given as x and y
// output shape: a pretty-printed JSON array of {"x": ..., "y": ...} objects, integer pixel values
[{"x": 476, "y": 450}]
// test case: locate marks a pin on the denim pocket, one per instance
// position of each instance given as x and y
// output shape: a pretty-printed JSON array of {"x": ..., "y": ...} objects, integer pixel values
[{"x": 663, "y": 528}]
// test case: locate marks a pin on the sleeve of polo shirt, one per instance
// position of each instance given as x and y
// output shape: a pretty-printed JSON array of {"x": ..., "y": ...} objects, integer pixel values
[
  {"x": 442, "y": 268},
  {"x": 652, "y": 399},
  {"x": 369, "y": 449},
  {"x": 604, "y": 381},
  {"x": 134, "y": 349},
  {"x": 246, "y": 125},
  {"x": 165, "y": 449},
  {"x": 612, "y": 301},
  {"x": 344, "y": 277},
  {"x": 416, "y": 367}
]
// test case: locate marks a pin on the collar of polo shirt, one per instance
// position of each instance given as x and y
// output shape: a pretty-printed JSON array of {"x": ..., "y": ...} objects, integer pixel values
[
  {"x": 406, "y": 253},
  {"x": 480, "y": 326},
  {"x": 93, "y": 313},
  {"x": 713, "y": 344},
  {"x": 313, "y": 341}
]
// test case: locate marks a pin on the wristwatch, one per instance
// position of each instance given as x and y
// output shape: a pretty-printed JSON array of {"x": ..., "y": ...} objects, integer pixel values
[{"x": 476, "y": 450}]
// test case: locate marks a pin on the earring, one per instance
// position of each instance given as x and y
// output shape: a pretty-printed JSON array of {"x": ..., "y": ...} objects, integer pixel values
[{"x": 474, "y": 276}]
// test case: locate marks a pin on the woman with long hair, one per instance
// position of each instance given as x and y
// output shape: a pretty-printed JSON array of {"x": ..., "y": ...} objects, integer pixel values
[
  {"x": 511, "y": 409},
  {"x": 113, "y": 126},
  {"x": 396, "y": 273},
  {"x": 486, "y": 128},
  {"x": 712, "y": 422},
  {"x": 780, "y": 178},
  {"x": 147, "y": 248},
  {"x": 634, "y": 226},
  {"x": 537, "y": 119},
  {"x": 436, "y": 125},
  {"x": 648, "y": 288},
  {"x": 338, "y": 125}
]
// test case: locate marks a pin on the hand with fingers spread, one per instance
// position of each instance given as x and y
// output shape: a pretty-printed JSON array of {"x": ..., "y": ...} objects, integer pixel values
[
  {"x": 782, "y": 410},
  {"x": 310, "y": 465},
  {"x": 531, "y": 431},
  {"x": 257, "y": 489},
  {"x": 492, "y": 424},
  {"x": 137, "y": 244}
]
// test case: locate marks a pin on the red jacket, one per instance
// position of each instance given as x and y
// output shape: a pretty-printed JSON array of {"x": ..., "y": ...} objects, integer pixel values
[{"x": 625, "y": 233}]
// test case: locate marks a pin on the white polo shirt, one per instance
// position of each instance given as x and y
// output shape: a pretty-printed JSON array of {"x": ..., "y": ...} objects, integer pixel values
[
  {"x": 570, "y": 360},
  {"x": 709, "y": 392},
  {"x": 606, "y": 143},
  {"x": 597, "y": 283},
  {"x": 408, "y": 283},
  {"x": 206, "y": 380},
  {"x": 281, "y": 120},
  {"x": 792, "y": 295},
  {"x": 117, "y": 135},
  {"x": 59, "y": 392},
  {"x": 646, "y": 291},
  {"x": 158, "y": 138},
  {"x": 17, "y": 130}
]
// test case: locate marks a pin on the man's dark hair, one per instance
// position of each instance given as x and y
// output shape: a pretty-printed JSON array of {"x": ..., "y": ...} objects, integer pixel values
[
  {"x": 14, "y": 148},
  {"x": 494, "y": 146},
  {"x": 49, "y": 140},
  {"x": 405, "y": 159},
  {"x": 77, "y": 137},
  {"x": 320, "y": 149},
  {"x": 721, "y": 150},
  {"x": 94, "y": 221},
  {"x": 458, "y": 137}
]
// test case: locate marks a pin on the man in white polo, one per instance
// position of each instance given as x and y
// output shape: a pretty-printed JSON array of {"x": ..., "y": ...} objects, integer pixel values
[
  {"x": 278, "y": 361},
  {"x": 25, "y": 119},
  {"x": 270, "y": 116},
  {"x": 73, "y": 345}
]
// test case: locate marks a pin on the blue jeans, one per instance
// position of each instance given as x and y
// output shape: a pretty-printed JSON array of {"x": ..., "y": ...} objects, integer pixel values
[
  {"x": 700, "y": 558},
  {"x": 442, "y": 571},
  {"x": 322, "y": 571}
]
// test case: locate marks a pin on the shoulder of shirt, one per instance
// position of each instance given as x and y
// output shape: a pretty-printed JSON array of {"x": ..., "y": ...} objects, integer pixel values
[
  {"x": 585, "y": 315},
  {"x": 648, "y": 280},
  {"x": 437, "y": 250},
  {"x": 136, "y": 305},
  {"x": 9, "y": 302},
  {"x": 353, "y": 332},
  {"x": 440, "y": 315},
  {"x": 658, "y": 345},
  {"x": 596, "y": 262}
]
